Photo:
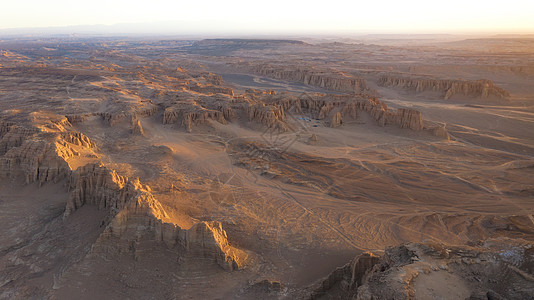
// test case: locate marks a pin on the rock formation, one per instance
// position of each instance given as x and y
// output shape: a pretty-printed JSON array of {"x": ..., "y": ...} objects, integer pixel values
[
  {"x": 134, "y": 211},
  {"x": 441, "y": 132},
  {"x": 345, "y": 280},
  {"x": 336, "y": 120},
  {"x": 428, "y": 271},
  {"x": 188, "y": 116},
  {"x": 211, "y": 89},
  {"x": 271, "y": 116},
  {"x": 114, "y": 117},
  {"x": 37, "y": 160},
  {"x": 42, "y": 155},
  {"x": 348, "y": 106},
  {"x": 77, "y": 138},
  {"x": 326, "y": 79},
  {"x": 137, "y": 129},
  {"x": 448, "y": 89}
]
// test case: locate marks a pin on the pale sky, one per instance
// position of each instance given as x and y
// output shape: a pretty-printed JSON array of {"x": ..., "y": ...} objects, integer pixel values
[{"x": 278, "y": 16}]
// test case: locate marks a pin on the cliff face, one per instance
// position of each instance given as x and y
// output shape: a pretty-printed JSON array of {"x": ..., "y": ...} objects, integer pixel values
[
  {"x": 211, "y": 89},
  {"x": 135, "y": 212},
  {"x": 77, "y": 138},
  {"x": 330, "y": 80},
  {"x": 40, "y": 150},
  {"x": 12, "y": 135},
  {"x": 189, "y": 116},
  {"x": 271, "y": 116},
  {"x": 343, "y": 107},
  {"x": 41, "y": 153},
  {"x": 448, "y": 88},
  {"x": 113, "y": 118},
  {"x": 345, "y": 280},
  {"x": 136, "y": 127},
  {"x": 37, "y": 161}
]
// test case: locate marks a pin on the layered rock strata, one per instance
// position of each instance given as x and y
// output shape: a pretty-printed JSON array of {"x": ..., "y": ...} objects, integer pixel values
[
  {"x": 448, "y": 88},
  {"x": 343, "y": 107},
  {"x": 42, "y": 155},
  {"x": 135, "y": 212},
  {"x": 330, "y": 80},
  {"x": 269, "y": 110}
]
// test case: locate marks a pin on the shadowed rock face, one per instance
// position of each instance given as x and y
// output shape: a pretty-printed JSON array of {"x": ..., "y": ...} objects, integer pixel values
[
  {"x": 482, "y": 89},
  {"x": 130, "y": 204}
]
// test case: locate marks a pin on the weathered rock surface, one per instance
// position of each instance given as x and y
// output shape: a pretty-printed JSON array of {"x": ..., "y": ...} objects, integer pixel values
[
  {"x": 271, "y": 116},
  {"x": 345, "y": 280},
  {"x": 39, "y": 152},
  {"x": 12, "y": 135},
  {"x": 77, "y": 138},
  {"x": 188, "y": 116},
  {"x": 429, "y": 271},
  {"x": 348, "y": 107},
  {"x": 336, "y": 120},
  {"x": 37, "y": 161},
  {"x": 211, "y": 89},
  {"x": 327, "y": 79},
  {"x": 135, "y": 212},
  {"x": 137, "y": 129},
  {"x": 441, "y": 132},
  {"x": 481, "y": 89}
]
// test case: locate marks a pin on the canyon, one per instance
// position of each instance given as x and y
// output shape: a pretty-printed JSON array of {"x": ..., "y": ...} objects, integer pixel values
[{"x": 264, "y": 169}]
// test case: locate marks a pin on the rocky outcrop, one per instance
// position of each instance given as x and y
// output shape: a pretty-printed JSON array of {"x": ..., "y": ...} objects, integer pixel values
[
  {"x": 441, "y": 132},
  {"x": 326, "y": 79},
  {"x": 38, "y": 161},
  {"x": 12, "y": 135},
  {"x": 189, "y": 112},
  {"x": 188, "y": 116},
  {"x": 268, "y": 108},
  {"x": 421, "y": 271},
  {"x": 407, "y": 118},
  {"x": 113, "y": 118},
  {"x": 345, "y": 280},
  {"x": 211, "y": 89},
  {"x": 336, "y": 120},
  {"x": 271, "y": 116},
  {"x": 131, "y": 208},
  {"x": 210, "y": 240},
  {"x": 39, "y": 151},
  {"x": 137, "y": 129},
  {"x": 135, "y": 212},
  {"x": 343, "y": 107},
  {"x": 481, "y": 89},
  {"x": 77, "y": 138},
  {"x": 96, "y": 185},
  {"x": 78, "y": 118}
]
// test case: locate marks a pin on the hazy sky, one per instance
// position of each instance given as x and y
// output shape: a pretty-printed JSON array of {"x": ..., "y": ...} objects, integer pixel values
[{"x": 278, "y": 16}]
